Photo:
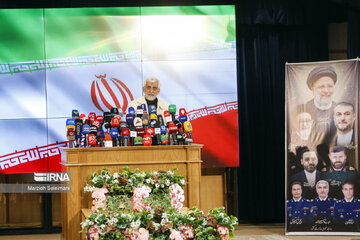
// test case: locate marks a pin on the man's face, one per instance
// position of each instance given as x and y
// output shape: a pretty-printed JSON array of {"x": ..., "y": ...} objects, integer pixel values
[
  {"x": 322, "y": 190},
  {"x": 338, "y": 160},
  {"x": 323, "y": 90},
  {"x": 348, "y": 191},
  {"x": 296, "y": 191},
  {"x": 151, "y": 90},
  {"x": 344, "y": 118},
  {"x": 304, "y": 121},
  {"x": 309, "y": 161}
]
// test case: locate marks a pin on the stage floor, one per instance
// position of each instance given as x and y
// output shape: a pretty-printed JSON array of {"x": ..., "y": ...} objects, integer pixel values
[{"x": 243, "y": 232}]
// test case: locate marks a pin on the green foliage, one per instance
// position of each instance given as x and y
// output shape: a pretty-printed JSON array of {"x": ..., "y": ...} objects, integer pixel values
[{"x": 118, "y": 220}]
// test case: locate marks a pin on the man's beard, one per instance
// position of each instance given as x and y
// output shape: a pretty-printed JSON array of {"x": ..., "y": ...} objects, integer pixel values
[
  {"x": 322, "y": 104},
  {"x": 304, "y": 134},
  {"x": 310, "y": 170},
  {"x": 343, "y": 129},
  {"x": 150, "y": 98}
]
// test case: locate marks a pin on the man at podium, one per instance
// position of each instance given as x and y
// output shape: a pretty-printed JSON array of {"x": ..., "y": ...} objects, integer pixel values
[{"x": 151, "y": 90}]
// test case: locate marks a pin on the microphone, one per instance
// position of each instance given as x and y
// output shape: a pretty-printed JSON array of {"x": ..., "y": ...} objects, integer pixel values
[
  {"x": 70, "y": 134},
  {"x": 147, "y": 140},
  {"x": 92, "y": 140},
  {"x": 86, "y": 131},
  {"x": 163, "y": 129},
  {"x": 83, "y": 118},
  {"x": 108, "y": 141},
  {"x": 93, "y": 130},
  {"x": 100, "y": 119},
  {"x": 179, "y": 134},
  {"x": 153, "y": 120},
  {"x": 182, "y": 115},
  {"x": 114, "y": 133},
  {"x": 167, "y": 117},
  {"x": 125, "y": 134},
  {"x": 152, "y": 109},
  {"x": 182, "y": 112},
  {"x": 133, "y": 135},
  {"x": 131, "y": 111},
  {"x": 160, "y": 119},
  {"x": 75, "y": 114},
  {"x": 107, "y": 121},
  {"x": 150, "y": 131},
  {"x": 188, "y": 129},
  {"x": 78, "y": 132},
  {"x": 143, "y": 106},
  {"x": 130, "y": 119},
  {"x": 100, "y": 137},
  {"x": 139, "y": 111},
  {"x": 140, "y": 132},
  {"x": 122, "y": 125},
  {"x": 137, "y": 122},
  {"x": 138, "y": 141},
  {"x": 92, "y": 116},
  {"x": 97, "y": 124},
  {"x": 114, "y": 111},
  {"x": 115, "y": 123},
  {"x": 157, "y": 131},
  {"x": 70, "y": 123},
  {"x": 164, "y": 139},
  {"x": 172, "y": 130},
  {"x": 172, "y": 110},
  {"x": 145, "y": 120}
]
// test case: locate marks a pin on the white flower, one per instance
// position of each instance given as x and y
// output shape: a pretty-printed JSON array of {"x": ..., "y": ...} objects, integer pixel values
[
  {"x": 107, "y": 177},
  {"x": 156, "y": 225},
  {"x": 115, "y": 181},
  {"x": 84, "y": 224},
  {"x": 170, "y": 173},
  {"x": 147, "y": 180},
  {"x": 152, "y": 181},
  {"x": 116, "y": 175},
  {"x": 135, "y": 224},
  {"x": 162, "y": 186},
  {"x": 163, "y": 222},
  {"x": 164, "y": 215},
  {"x": 155, "y": 173},
  {"x": 192, "y": 218},
  {"x": 143, "y": 174},
  {"x": 156, "y": 185},
  {"x": 94, "y": 179},
  {"x": 102, "y": 226},
  {"x": 113, "y": 221},
  {"x": 167, "y": 182},
  {"x": 182, "y": 181}
]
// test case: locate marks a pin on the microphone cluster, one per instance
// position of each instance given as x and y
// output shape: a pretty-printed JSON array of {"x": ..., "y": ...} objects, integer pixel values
[{"x": 138, "y": 127}]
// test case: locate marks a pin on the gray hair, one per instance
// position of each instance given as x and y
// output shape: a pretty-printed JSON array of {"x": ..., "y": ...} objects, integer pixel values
[
  {"x": 152, "y": 80},
  {"x": 322, "y": 181}
]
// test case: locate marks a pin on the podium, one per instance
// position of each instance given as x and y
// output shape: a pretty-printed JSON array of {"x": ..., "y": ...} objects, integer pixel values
[{"x": 81, "y": 162}]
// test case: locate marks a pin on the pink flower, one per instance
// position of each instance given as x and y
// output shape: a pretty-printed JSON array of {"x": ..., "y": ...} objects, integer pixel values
[
  {"x": 224, "y": 232},
  {"x": 143, "y": 234},
  {"x": 99, "y": 194},
  {"x": 93, "y": 233},
  {"x": 176, "y": 235}
]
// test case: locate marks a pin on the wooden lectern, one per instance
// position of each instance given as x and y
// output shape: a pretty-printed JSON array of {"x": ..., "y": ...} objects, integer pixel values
[{"x": 81, "y": 162}]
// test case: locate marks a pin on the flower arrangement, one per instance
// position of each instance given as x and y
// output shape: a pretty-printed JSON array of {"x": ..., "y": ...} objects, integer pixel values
[{"x": 143, "y": 205}]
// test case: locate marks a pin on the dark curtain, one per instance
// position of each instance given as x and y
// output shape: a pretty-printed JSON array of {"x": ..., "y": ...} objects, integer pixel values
[
  {"x": 263, "y": 49},
  {"x": 353, "y": 36}
]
